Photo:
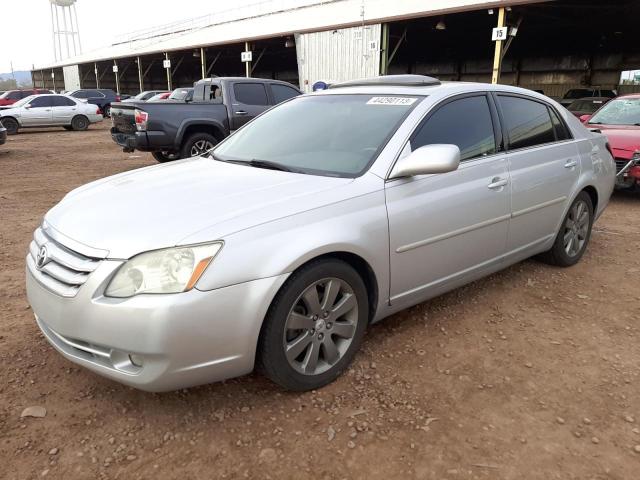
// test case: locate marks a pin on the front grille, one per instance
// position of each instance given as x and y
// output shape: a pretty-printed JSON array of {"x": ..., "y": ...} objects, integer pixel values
[
  {"x": 65, "y": 270},
  {"x": 620, "y": 164}
]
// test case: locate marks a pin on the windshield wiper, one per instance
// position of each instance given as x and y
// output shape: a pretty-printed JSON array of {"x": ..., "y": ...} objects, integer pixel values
[{"x": 270, "y": 165}]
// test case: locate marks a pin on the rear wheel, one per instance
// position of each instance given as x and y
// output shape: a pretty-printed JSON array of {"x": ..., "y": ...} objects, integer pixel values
[
  {"x": 574, "y": 234},
  {"x": 314, "y": 326},
  {"x": 106, "y": 111},
  {"x": 79, "y": 122},
  {"x": 197, "y": 144},
  {"x": 165, "y": 156},
  {"x": 11, "y": 125}
]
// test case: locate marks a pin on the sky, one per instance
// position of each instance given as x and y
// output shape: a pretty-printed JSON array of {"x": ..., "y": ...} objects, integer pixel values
[{"x": 100, "y": 22}]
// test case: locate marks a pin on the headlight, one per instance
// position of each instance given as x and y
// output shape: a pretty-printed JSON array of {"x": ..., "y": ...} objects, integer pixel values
[{"x": 171, "y": 270}]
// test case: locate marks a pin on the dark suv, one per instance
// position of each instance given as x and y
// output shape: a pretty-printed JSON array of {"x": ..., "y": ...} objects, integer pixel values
[
  {"x": 102, "y": 97},
  {"x": 12, "y": 96},
  {"x": 578, "y": 93}
]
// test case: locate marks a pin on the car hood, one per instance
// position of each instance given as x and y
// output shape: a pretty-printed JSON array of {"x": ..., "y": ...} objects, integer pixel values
[
  {"x": 158, "y": 206},
  {"x": 624, "y": 139}
]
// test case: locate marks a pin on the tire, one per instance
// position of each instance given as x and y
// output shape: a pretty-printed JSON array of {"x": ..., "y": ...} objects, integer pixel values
[
  {"x": 79, "y": 123},
  {"x": 106, "y": 111},
  {"x": 11, "y": 124},
  {"x": 197, "y": 144},
  {"x": 294, "y": 325},
  {"x": 163, "y": 157},
  {"x": 573, "y": 237}
]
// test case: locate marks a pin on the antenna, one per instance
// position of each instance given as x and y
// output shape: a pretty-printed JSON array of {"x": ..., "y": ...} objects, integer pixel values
[{"x": 67, "y": 36}]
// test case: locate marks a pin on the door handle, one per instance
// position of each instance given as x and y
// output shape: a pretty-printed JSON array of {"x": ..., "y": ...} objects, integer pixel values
[
  {"x": 241, "y": 112},
  {"x": 571, "y": 163},
  {"x": 497, "y": 183}
]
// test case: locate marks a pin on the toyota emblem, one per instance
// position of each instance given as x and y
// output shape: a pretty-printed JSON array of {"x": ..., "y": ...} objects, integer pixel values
[{"x": 43, "y": 257}]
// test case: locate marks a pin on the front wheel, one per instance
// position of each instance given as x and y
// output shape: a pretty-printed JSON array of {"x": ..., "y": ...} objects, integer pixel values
[
  {"x": 165, "y": 156},
  {"x": 11, "y": 125},
  {"x": 314, "y": 326},
  {"x": 575, "y": 232}
]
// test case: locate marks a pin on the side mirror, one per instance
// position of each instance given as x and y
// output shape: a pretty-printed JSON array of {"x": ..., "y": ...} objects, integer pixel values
[
  {"x": 585, "y": 118},
  {"x": 27, "y": 106},
  {"x": 436, "y": 158}
]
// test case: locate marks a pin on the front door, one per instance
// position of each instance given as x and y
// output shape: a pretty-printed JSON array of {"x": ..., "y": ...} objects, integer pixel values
[
  {"x": 39, "y": 111},
  {"x": 447, "y": 229}
]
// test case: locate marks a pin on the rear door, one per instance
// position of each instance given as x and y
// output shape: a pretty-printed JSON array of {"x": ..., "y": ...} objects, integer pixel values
[
  {"x": 39, "y": 113},
  {"x": 63, "y": 110},
  {"x": 544, "y": 167},
  {"x": 249, "y": 99}
]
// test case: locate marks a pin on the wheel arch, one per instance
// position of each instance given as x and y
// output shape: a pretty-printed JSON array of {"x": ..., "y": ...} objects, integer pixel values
[
  {"x": 593, "y": 194},
  {"x": 199, "y": 126},
  {"x": 11, "y": 117}
]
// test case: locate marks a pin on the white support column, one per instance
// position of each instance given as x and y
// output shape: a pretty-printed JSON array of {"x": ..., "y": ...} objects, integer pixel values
[
  {"x": 247, "y": 65},
  {"x": 140, "y": 74},
  {"x": 115, "y": 64}
]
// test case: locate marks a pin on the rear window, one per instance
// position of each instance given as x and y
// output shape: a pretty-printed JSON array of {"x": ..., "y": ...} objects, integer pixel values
[
  {"x": 250, "y": 93},
  {"x": 528, "y": 122},
  {"x": 578, "y": 93},
  {"x": 59, "y": 101}
]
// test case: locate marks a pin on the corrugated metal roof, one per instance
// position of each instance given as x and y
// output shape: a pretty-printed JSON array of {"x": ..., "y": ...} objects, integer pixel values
[{"x": 283, "y": 19}]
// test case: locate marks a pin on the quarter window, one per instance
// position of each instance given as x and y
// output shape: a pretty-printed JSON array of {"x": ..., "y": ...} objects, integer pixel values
[
  {"x": 250, "y": 93},
  {"x": 527, "y": 122},
  {"x": 465, "y": 122}
]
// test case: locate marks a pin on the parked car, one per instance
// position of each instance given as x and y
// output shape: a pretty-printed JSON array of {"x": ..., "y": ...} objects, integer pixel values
[
  {"x": 159, "y": 96},
  {"x": 49, "y": 111},
  {"x": 327, "y": 213},
  {"x": 102, "y": 97},
  {"x": 3, "y": 134},
  {"x": 11, "y": 96},
  {"x": 179, "y": 129},
  {"x": 183, "y": 94},
  {"x": 586, "y": 106},
  {"x": 145, "y": 96},
  {"x": 577, "y": 93},
  {"x": 619, "y": 120}
]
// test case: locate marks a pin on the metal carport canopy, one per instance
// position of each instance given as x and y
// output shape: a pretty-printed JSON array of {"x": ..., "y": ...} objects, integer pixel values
[{"x": 326, "y": 15}]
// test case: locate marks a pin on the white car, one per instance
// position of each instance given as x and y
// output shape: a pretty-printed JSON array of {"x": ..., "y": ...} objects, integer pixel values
[{"x": 50, "y": 111}]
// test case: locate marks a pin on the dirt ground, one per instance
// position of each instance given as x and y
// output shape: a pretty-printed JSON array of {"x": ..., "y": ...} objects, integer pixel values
[{"x": 533, "y": 373}]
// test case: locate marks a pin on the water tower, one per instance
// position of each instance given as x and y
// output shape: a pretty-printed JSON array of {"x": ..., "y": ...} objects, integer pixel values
[{"x": 64, "y": 27}]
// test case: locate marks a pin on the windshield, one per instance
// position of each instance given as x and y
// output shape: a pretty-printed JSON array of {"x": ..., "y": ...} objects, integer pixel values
[
  {"x": 336, "y": 135},
  {"x": 621, "y": 111},
  {"x": 180, "y": 93},
  {"x": 24, "y": 101}
]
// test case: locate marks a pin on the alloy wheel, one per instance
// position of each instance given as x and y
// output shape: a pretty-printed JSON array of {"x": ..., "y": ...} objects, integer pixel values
[
  {"x": 576, "y": 228},
  {"x": 201, "y": 147},
  {"x": 320, "y": 326}
]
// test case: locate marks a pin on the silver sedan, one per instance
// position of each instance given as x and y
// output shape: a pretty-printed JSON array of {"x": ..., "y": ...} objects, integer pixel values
[
  {"x": 325, "y": 214},
  {"x": 49, "y": 111}
]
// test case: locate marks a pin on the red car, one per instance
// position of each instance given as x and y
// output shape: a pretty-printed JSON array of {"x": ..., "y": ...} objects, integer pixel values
[
  {"x": 619, "y": 120},
  {"x": 12, "y": 96}
]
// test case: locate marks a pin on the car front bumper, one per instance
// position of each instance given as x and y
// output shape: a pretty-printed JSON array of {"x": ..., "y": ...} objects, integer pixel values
[{"x": 156, "y": 342}]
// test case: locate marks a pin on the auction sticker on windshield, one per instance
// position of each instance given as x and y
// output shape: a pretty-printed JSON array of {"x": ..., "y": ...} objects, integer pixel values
[{"x": 391, "y": 101}]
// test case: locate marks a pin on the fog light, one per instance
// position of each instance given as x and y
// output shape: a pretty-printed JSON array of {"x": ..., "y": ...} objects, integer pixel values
[{"x": 135, "y": 360}]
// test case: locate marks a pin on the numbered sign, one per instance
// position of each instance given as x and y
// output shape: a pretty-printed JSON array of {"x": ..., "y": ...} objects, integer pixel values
[
  {"x": 246, "y": 56},
  {"x": 115, "y": 69},
  {"x": 499, "y": 34},
  {"x": 166, "y": 63}
]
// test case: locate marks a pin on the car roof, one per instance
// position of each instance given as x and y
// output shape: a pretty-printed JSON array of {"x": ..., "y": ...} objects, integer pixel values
[{"x": 629, "y": 95}]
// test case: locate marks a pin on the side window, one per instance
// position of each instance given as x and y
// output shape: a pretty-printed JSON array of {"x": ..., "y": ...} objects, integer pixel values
[
  {"x": 465, "y": 122},
  {"x": 94, "y": 94},
  {"x": 14, "y": 96},
  {"x": 282, "y": 93},
  {"x": 80, "y": 94},
  {"x": 26, "y": 93},
  {"x": 250, "y": 93},
  {"x": 63, "y": 102},
  {"x": 559, "y": 127},
  {"x": 527, "y": 122},
  {"x": 42, "y": 101}
]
